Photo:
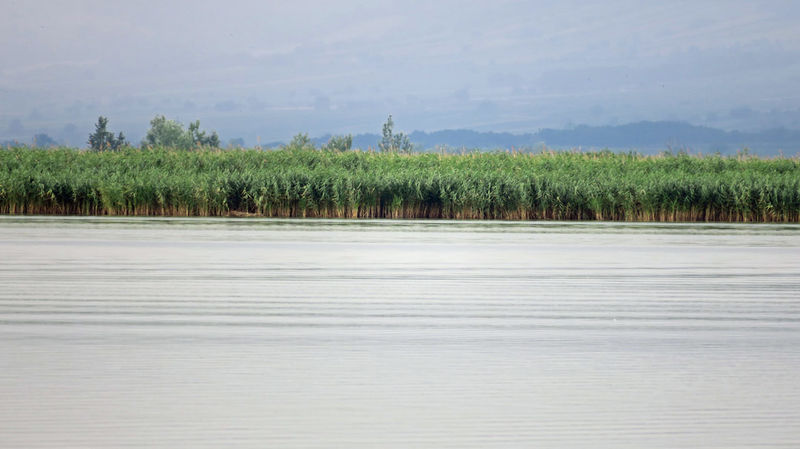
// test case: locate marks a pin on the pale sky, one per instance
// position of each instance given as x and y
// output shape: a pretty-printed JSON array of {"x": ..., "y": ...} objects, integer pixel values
[{"x": 271, "y": 69}]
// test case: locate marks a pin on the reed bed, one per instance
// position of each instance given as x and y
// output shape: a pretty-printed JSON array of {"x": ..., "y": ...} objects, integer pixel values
[{"x": 355, "y": 184}]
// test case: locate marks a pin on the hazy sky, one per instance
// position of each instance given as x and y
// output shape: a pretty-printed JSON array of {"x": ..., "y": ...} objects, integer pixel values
[{"x": 272, "y": 69}]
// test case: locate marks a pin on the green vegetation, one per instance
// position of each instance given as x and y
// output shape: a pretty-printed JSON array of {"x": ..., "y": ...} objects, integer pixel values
[
  {"x": 301, "y": 141},
  {"x": 339, "y": 143},
  {"x": 102, "y": 139},
  {"x": 302, "y": 182},
  {"x": 392, "y": 142},
  {"x": 170, "y": 133}
]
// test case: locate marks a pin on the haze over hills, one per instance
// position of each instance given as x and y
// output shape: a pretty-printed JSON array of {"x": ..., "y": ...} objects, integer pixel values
[
  {"x": 644, "y": 137},
  {"x": 648, "y": 137},
  {"x": 265, "y": 71}
]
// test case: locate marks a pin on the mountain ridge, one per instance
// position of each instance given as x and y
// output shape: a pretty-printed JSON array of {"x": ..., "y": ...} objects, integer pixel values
[{"x": 644, "y": 136}]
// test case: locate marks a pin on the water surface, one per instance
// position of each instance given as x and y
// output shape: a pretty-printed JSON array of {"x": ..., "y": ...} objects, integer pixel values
[{"x": 138, "y": 332}]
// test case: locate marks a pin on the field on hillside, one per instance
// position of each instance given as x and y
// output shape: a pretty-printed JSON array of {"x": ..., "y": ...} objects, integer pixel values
[{"x": 354, "y": 184}]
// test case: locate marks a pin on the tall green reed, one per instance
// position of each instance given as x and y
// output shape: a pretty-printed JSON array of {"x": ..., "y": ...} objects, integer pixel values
[{"x": 354, "y": 184}]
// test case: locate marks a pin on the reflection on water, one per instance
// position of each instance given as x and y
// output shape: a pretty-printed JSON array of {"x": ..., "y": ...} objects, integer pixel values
[{"x": 119, "y": 332}]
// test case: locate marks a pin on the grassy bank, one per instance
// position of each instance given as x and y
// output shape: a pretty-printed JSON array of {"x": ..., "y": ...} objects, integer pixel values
[{"x": 307, "y": 183}]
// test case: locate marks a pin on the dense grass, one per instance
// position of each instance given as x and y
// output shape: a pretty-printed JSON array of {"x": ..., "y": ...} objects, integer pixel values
[{"x": 307, "y": 183}]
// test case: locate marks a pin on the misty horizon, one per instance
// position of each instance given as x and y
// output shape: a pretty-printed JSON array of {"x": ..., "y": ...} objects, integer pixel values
[
  {"x": 643, "y": 137},
  {"x": 265, "y": 72}
]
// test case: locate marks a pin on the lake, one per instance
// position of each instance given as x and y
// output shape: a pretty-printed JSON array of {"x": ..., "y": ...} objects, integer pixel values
[{"x": 253, "y": 333}]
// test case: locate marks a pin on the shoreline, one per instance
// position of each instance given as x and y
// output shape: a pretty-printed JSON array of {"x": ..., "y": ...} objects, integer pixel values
[{"x": 315, "y": 216}]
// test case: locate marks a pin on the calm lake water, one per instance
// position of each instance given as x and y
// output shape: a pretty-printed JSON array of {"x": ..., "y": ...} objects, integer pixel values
[{"x": 214, "y": 333}]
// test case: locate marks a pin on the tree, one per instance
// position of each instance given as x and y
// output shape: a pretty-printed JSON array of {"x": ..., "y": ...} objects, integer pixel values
[
  {"x": 43, "y": 140},
  {"x": 170, "y": 133},
  {"x": 339, "y": 143},
  {"x": 199, "y": 138},
  {"x": 166, "y": 133},
  {"x": 301, "y": 141},
  {"x": 394, "y": 143},
  {"x": 102, "y": 139}
]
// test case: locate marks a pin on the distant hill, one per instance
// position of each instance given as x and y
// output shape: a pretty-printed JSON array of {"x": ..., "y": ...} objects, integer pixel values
[
  {"x": 672, "y": 135},
  {"x": 645, "y": 137}
]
